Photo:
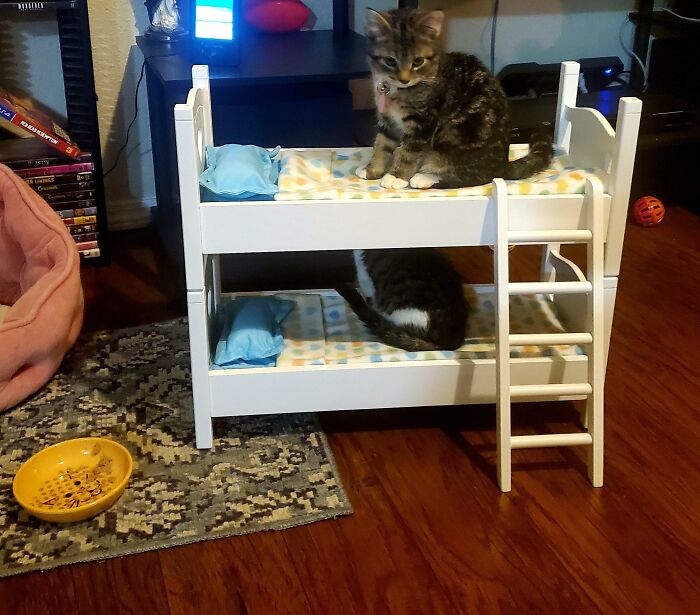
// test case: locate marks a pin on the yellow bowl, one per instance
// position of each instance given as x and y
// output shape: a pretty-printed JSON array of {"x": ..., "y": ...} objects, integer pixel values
[{"x": 73, "y": 480}]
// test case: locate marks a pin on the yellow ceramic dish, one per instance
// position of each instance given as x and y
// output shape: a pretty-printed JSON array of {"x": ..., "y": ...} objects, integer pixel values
[{"x": 73, "y": 480}]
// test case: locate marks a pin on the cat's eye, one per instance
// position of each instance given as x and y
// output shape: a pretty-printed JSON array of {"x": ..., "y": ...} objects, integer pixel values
[
  {"x": 418, "y": 62},
  {"x": 390, "y": 62}
]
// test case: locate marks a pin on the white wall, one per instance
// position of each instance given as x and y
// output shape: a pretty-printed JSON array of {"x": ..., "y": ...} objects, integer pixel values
[
  {"x": 130, "y": 189},
  {"x": 537, "y": 30}
]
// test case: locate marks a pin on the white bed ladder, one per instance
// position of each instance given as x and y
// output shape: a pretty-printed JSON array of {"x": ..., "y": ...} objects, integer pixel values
[{"x": 594, "y": 338}]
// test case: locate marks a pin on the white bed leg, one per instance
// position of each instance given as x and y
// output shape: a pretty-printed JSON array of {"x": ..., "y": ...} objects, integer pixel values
[
  {"x": 193, "y": 132},
  {"x": 199, "y": 358},
  {"x": 596, "y": 316},
  {"x": 503, "y": 405}
]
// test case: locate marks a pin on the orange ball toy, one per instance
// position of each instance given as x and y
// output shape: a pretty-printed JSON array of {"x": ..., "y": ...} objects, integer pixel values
[{"x": 648, "y": 211}]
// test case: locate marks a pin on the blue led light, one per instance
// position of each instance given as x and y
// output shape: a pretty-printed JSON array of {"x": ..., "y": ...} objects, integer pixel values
[{"x": 608, "y": 71}]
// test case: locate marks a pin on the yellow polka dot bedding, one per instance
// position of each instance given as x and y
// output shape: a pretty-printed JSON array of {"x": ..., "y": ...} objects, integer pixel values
[
  {"x": 331, "y": 174},
  {"x": 322, "y": 329}
]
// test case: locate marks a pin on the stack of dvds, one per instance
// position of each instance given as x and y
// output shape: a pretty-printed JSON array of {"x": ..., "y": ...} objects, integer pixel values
[
  {"x": 66, "y": 184},
  {"x": 45, "y": 156}
]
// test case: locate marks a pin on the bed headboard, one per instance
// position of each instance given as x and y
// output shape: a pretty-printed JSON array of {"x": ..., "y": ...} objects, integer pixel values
[
  {"x": 591, "y": 142},
  {"x": 197, "y": 109},
  {"x": 584, "y": 133}
]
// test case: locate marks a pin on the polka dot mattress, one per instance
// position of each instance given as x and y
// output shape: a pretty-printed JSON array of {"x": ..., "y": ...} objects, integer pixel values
[
  {"x": 322, "y": 329},
  {"x": 331, "y": 174}
]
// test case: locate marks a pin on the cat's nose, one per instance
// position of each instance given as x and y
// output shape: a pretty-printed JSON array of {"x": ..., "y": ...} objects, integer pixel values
[{"x": 404, "y": 78}]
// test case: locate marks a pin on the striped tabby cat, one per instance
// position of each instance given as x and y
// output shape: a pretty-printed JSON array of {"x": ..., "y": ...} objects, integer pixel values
[{"x": 443, "y": 118}]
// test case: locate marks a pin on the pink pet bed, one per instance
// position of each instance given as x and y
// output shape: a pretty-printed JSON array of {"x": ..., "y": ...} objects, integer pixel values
[{"x": 40, "y": 282}]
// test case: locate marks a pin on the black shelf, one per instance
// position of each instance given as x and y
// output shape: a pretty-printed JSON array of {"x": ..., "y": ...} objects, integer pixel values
[
  {"x": 665, "y": 19},
  {"x": 79, "y": 85},
  {"x": 295, "y": 57}
]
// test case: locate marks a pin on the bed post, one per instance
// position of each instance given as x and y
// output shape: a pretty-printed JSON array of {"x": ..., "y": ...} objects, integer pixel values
[
  {"x": 192, "y": 134},
  {"x": 568, "y": 90},
  {"x": 200, "y": 81},
  {"x": 625, "y": 148},
  {"x": 502, "y": 321},
  {"x": 626, "y": 130}
]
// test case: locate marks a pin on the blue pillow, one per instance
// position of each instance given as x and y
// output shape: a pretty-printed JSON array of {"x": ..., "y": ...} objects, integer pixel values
[
  {"x": 241, "y": 171},
  {"x": 250, "y": 332}
]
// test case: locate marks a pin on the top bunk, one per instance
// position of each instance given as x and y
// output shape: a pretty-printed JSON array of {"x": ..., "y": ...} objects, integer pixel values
[{"x": 321, "y": 205}]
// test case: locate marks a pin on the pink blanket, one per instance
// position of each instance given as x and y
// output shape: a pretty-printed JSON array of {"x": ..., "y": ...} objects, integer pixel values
[{"x": 40, "y": 280}]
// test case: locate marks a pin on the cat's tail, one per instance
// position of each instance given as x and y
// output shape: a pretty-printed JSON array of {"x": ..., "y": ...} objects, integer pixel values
[
  {"x": 538, "y": 158},
  {"x": 386, "y": 331}
]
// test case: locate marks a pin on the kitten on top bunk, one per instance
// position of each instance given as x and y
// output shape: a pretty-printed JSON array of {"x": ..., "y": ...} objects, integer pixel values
[
  {"x": 443, "y": 121},
  {"x": 443, "y": 118}
]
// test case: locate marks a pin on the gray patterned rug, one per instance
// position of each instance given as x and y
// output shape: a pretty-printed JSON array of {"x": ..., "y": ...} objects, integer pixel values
[{"x": 134, "y": 386}]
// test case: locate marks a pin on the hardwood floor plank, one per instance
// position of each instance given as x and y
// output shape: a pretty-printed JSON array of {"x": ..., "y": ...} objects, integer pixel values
[
  {"x": 439, "y": 492},
  {"x": 391, "y": 569},
  {"x": 242, "y": 574},
  {"x": 132, "y": 585},
  {"x": 38, "y": 592}
]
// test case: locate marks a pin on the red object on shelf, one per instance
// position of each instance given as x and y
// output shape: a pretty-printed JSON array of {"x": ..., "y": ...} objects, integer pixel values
[
  {"x": 648, "y": 211},
  {"x": 22, "y": 117},
  {"x": 276, "y": 15}
]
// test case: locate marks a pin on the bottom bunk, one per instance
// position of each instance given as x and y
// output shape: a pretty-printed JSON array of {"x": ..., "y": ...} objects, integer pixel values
[{"x": 329, "y": 361}]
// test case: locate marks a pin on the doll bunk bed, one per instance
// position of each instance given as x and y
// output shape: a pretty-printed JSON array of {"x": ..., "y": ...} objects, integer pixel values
[{"x": 595, "y": 215}]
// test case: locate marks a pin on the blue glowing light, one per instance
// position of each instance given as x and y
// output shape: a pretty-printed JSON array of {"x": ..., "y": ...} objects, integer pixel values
[{"x": 608, "y": 71}]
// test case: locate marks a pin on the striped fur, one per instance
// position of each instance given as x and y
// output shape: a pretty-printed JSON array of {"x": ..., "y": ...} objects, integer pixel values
[{"x": 445, "y": 114}]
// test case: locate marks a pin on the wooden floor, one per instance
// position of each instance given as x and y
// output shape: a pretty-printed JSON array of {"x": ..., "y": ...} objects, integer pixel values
[{"x": 431, "y": 532}]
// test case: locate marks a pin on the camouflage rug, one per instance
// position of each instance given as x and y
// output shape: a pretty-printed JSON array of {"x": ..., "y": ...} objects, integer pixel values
[{"x": 270, "y": 472}]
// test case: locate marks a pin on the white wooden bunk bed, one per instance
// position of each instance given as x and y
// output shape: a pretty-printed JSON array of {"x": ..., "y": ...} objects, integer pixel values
[{"x": 584, "y": 303}]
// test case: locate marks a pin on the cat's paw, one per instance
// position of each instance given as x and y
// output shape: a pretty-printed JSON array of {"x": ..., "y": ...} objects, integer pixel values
[
  {"x": 369, "y": 172},
  {"x": 423, "y": 180},
  {"x": 389, "y": 181}
]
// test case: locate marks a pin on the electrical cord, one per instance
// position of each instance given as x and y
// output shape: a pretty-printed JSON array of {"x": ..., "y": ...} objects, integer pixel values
[
  {"x": 681, "y": 17},
  {"x": 494, "y": 24},
  {"x": 124, "y": 145},
  {"x": 632, "y": 54}
]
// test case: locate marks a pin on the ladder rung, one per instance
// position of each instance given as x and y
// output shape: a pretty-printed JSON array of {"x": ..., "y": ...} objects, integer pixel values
[
  {"x": 549, "y": 339},
  {"x": 550, "y": 390},
  {"x": 549, "y": 236},
  {"x": 548, "y": 288},
  {"x": 554, "y": 439}
]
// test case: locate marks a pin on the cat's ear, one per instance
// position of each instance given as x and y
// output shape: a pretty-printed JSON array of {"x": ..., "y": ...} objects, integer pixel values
[
  {"x": 431, "y": 23},
  {"x": 377, "y": 23}
]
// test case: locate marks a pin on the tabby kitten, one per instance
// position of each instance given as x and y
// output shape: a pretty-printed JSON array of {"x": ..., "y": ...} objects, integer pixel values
[
  {"x": 443, "y": 119},
  {"x": 413, "y": 298}
]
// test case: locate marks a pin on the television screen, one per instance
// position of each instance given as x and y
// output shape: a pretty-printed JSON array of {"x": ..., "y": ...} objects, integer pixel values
[{"x": 214, "y": 19}]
